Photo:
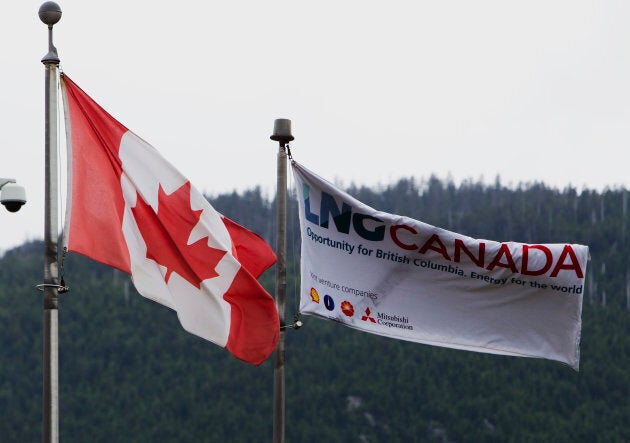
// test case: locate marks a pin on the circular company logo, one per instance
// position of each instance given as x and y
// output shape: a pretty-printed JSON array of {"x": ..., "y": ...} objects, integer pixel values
[
  {"x": 347, "y": 308},
  {"x": 329, "y": 302}
]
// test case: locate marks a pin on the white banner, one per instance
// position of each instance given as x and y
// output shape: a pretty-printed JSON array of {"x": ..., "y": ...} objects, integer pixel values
[{"x": 395, "y": 276}]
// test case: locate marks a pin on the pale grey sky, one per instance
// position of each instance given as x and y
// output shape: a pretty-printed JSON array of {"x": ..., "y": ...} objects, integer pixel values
[{"x": 376, "y": 91}]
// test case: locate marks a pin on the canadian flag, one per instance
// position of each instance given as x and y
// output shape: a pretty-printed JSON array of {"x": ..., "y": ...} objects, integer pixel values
[{"x": 131, "y": 209}]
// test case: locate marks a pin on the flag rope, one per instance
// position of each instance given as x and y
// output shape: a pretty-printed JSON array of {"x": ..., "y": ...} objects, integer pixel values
[
  {"x": 297, "y": 323},
  {"x": 62, "y": 288},
  {"x": 59, "y": 157}
]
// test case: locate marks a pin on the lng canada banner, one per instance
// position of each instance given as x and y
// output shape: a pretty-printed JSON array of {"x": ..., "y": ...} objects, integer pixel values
[{"x": 398, "y": 277}]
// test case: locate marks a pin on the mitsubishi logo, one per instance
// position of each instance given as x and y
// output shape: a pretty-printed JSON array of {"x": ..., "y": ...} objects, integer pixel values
[{"x": 367, "y": 316}]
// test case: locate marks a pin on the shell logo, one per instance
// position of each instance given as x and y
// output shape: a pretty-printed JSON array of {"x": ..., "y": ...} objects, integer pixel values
[{"x": 314, "y": 295}]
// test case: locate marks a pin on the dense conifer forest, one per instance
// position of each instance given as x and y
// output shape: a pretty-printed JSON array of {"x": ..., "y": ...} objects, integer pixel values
[{"x": 130, "y": 373}]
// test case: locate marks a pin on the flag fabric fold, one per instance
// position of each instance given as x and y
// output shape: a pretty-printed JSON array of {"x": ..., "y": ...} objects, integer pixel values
[
  {"x": 130, "y": 209},
  {"x": 398, "y": 277}
]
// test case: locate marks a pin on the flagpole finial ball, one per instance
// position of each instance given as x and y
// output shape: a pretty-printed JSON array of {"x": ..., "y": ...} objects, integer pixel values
[
  {"x": 50, "y": 13},
  {"x": 282, "y": 130}
]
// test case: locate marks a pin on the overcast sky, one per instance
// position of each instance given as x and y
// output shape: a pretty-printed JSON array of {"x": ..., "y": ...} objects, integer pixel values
[{"x": 376, "y": 91}]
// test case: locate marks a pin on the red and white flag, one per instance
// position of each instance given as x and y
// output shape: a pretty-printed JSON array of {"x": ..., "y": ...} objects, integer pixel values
[{"x": 131, "y": 209}]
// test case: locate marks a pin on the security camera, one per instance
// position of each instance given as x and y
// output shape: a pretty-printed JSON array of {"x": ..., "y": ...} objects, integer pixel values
[{"x": 12, "y": 195}]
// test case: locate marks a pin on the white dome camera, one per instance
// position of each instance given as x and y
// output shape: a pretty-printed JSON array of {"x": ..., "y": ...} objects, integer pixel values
[{"x": 12, "y": 195}]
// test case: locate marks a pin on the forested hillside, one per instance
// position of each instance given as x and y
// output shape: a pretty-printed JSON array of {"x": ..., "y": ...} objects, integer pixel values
[{"x": 129, "y": 373}]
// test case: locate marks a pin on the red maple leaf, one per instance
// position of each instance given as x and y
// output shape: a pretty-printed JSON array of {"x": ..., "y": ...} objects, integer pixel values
[{"x": 166, "y": 235}]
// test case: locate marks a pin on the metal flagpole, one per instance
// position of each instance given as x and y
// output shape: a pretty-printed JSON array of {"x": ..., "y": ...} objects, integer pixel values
[
  {"x": 50, "y": 13},
  {"x": 281, "y": 134}
]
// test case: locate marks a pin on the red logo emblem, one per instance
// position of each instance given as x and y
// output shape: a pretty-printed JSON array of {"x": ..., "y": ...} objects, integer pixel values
[
  {"x": 367, "y": 316},
  {"x": 347, "y": 308}
]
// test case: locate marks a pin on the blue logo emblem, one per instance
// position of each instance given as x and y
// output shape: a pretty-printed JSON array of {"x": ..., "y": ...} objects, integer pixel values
[{"x": 329, "y": 302}]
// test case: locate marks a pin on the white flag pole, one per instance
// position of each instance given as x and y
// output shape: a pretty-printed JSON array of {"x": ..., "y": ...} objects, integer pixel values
[
  {"x": 281, "y": 134},
  {"x": 49, "y": 14}
]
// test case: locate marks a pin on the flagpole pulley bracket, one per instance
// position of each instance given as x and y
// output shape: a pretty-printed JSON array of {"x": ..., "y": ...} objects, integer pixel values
[
  {"x": 61, "y": 289},
  {"x": 297, "y": 323}
]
